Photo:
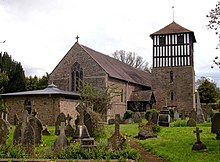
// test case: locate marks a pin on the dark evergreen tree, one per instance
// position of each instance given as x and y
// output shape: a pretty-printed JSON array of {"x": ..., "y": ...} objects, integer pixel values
[
  {"x": 35, "y": 83},
  {"x": 14, "y": 72}
]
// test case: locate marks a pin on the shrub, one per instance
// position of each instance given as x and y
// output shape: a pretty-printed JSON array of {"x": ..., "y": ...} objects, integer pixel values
[
  {"x": 156, "y": 128},
  {"x": 128, "y": 114},
  {"x": 180, "y": 123},
  {"x": 149, "y": 113}
]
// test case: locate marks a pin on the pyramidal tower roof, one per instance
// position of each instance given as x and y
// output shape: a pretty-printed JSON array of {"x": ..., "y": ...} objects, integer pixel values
[{"x": 172, "y": 28}]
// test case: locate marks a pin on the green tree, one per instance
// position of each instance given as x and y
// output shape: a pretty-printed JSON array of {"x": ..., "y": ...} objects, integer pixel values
[
  {"x": 14, "y": 72},
  {"x": 35, "y": 83},
  {"x": 3, "y": 81},
  {"x": 207, "y": 91}
]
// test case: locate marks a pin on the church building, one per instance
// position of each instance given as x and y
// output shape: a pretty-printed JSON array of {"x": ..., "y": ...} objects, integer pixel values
[{"x": 84, "y": 65}]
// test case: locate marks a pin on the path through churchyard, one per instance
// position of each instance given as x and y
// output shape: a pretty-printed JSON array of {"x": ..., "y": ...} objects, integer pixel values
[{"x": 144, "y": 155}]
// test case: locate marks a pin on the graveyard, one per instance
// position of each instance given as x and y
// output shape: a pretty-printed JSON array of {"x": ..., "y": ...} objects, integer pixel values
[{"x": 177, "y": 141}]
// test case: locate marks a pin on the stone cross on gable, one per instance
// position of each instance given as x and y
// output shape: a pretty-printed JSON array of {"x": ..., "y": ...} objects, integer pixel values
[
  {"x": 117, "y": 124},
  {"x": 77, "y": 38},
  {"x": 62, "y": 128},
  {"x": 197, "y": 131}
]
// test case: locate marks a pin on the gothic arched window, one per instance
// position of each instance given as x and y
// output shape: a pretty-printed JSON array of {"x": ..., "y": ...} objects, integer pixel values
[{"x": 77, "y": 77}]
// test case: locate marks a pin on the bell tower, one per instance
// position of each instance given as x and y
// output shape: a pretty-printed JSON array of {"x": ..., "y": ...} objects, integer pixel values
[{"x": 173, "y": 67}]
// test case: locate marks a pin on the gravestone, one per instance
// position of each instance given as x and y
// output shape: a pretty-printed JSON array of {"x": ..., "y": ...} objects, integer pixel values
[
  {"x": 191, "y": 123},
  {"x": 60, "y": 118},
  {"x": 198, "y": 144},
  {"x": 136, "y": 116},
  {"x": 69, "y": 131},
  {"x": 147, "y": 131},
  {"x": 4, "y": 131},
  {"x": 215, "y": 123},
  {"x": 176, "y": 115},
  {"x": 117, "y": 140},
  {"x": 199, "y": 112},
  {"x": 82, "y": 135},
  {"x": 16, "y": 119},
  {"x": 24, "y": 134},
  {"x": 45, "y": 132},
  {"x": 37, "y": 126},
  {"x": 164, "y": 117},
  {"x": 193, "y": 115},
  {"x": 89, "y": 123},
  {"x": 154, "y": 117},
  {"x": 61, "y": 142}
]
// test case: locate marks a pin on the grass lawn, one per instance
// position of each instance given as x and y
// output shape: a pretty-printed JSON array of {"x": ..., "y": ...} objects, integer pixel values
[{"x": 175, "y": 143}]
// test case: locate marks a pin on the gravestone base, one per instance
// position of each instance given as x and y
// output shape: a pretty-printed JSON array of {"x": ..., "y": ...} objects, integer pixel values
[
  {"x": 199, "y": 146},
  {"x": 86, "y": 142}
]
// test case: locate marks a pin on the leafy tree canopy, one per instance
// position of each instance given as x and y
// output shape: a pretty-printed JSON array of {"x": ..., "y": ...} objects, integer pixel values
[{"x": 208, "y": 91}]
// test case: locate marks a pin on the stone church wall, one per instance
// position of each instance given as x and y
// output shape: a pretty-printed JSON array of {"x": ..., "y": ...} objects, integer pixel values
[
  {"x": 92, "y": 72},
  {"x": 123, "y": 92},
  {"x": 48, "y": 108},
  {"x": 182, "y": 87}
]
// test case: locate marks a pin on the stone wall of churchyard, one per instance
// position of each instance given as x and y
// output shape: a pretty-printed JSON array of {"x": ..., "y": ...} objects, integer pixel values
[
  {"x": 182, "y": 87},
  {"x": 123, "y": 92},
  {"x": 48, "y": 107},
  {"x": 92, "y": 72}
]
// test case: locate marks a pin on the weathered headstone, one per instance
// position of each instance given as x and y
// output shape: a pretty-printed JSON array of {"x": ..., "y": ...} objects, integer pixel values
[
  {"x": 24, "y": 134},
  {"x": 4, "y": 131},
  {"x": 193, "y": 115},
  {"x": 147, "y": 131},
  {"x": 89, "y": 123},
  {"x": 16, "y": 119},
  {"x": 164, "y": 117},
  {"x": 137, "y": 117},
  {"x": 69, "y": 131},
  {"x": 198, "y": 144},
  {"x": 61, "y": 141},
  {"x": 45, "y": 132},
  {"x": 215, "y": 122},
  {"x": 37, "y": 126},
  {"x": 176, "y": 115},
  {"x": 199, "y": 112},
  {"x": 60, "y": 118},
  {"x": 82, "y": 135},
  {"x": 154, "y": 117},
  {"x": 191, "y": 123},
  {"x": 117, "y": 140}
]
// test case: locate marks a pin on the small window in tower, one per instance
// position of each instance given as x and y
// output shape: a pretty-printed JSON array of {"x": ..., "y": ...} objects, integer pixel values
[
  {"x": 180, "y": 39},
  {"x": 171, "y": 96},
  {"x": 171, "y": 76},
  {"x": 162, "y": 40}
]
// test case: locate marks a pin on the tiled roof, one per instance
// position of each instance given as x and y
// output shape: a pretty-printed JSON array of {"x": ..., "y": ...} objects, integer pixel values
[
  {"x": 171, "y": 29},
  {"x": 117, "y": 69},
  {"x": 142, "y": 96},
  {"x": 50, "y": 90}
]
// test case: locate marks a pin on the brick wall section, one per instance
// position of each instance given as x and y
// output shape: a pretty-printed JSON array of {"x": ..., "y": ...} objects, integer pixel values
[
  {"x": 48, "y": 107},
  {"x": 182, "y": 86}
]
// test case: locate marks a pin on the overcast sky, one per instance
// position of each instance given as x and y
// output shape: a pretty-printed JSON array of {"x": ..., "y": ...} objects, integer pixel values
[{"x": 39, "y": 33}]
